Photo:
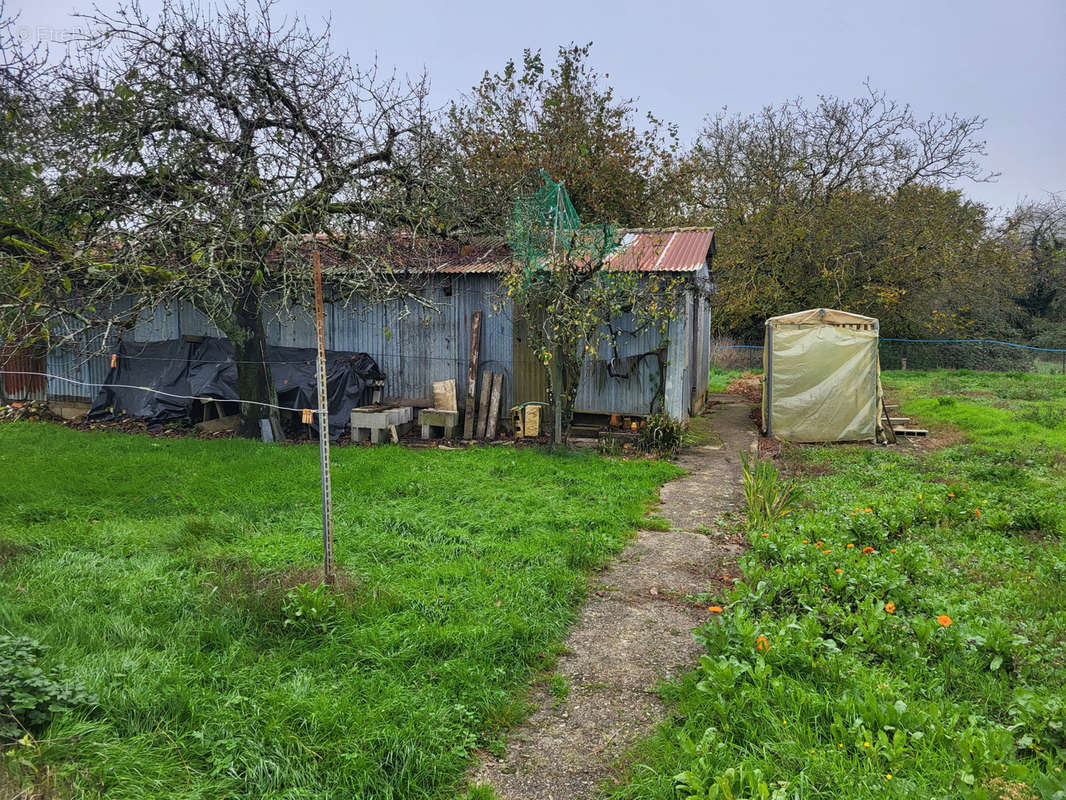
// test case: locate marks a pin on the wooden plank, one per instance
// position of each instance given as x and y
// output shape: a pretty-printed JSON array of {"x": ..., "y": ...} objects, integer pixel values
[
  {"x": 899, "y": 420},
  {"x": 494, "y": 405},
  {"x": 483, "y": 409},
  {"x": 444, "y": 398},
  {"x": 471, "y": 376},
  {"x": 890, "y": 433}
]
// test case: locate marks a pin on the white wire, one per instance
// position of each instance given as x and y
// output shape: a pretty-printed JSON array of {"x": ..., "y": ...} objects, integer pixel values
[{"x": 148, "y": 389}]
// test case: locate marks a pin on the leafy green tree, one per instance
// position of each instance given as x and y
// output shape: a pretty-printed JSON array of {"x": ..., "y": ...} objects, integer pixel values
[
  {"x": 566, "y": 120},
  {"x": 570, "y": 296}
]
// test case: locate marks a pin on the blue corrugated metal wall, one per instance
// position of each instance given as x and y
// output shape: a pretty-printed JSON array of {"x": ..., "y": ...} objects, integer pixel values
[{"x": 415, "y": 345}]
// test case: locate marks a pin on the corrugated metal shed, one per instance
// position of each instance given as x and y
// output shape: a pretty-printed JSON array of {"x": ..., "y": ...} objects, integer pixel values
[
  {"x": 416, "y": 343},
  {"x": 16, "y": 361}
]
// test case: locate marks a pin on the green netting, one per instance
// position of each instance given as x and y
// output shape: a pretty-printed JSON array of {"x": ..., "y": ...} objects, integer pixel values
[{"x": 545, "y": 226}]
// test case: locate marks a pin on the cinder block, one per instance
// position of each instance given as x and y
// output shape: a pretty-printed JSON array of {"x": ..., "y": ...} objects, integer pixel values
[
  {"x": 437, "y": 423},
  {"x": 381, "y": 418}
]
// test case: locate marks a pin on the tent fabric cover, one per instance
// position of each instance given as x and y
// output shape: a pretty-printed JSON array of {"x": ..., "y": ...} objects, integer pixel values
[
  {"x": 822, "y": 377},
  {"x": 206, "y": 369},
  {"x": 822, "y": 316}
]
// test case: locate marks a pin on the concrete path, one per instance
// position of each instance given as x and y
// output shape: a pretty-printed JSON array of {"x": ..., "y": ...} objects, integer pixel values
[{"x": 633, "y": 630}]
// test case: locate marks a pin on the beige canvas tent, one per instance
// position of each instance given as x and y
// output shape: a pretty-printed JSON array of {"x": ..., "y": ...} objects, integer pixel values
[{"x": 822, "y": 377}]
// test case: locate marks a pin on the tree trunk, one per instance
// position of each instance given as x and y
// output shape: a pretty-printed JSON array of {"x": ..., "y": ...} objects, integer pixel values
[
  {"x": 254, "y": 381},
  {"x": 556, "y": 380},
  {"x": 563, "y": 377}
]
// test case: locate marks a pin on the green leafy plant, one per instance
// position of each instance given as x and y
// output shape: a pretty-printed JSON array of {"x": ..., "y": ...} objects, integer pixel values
[
  {"x": 704, "y": 782},
  {"x": 30, "y": 695},
  {"x": 310, "y": 609},
  {"x": 768, "y": 497},
  {"x": 661, "y": 435}
]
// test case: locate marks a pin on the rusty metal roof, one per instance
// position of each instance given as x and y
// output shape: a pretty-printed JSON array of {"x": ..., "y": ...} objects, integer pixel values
[
  {"x": 641, "y": 250},
  {"x": 663, "y": 250}
]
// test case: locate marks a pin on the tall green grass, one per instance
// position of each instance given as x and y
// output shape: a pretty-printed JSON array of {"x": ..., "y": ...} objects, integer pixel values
[
  {"x": 903, "y": 632},
  {"x": 161, "y": 574}
]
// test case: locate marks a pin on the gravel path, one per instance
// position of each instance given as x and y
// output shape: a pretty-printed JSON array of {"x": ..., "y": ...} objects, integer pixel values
[{"x": 633, "y": 630}]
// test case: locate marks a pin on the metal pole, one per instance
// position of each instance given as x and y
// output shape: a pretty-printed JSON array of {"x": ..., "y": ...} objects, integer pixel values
[{"x": 323, "y": 424}]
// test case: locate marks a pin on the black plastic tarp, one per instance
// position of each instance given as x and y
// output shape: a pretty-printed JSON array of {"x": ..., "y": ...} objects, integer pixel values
[{"x": 179, "y": 372}]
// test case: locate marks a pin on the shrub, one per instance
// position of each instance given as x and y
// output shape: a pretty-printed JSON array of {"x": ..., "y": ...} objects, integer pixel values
[
  {"x": 661, "y": 435},
  {"x": 768, "y": 497},
  {"x": 30, "y": 695}
]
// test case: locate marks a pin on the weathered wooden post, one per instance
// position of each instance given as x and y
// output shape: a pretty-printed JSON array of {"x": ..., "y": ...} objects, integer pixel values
[{"x": 471, "y": 377}]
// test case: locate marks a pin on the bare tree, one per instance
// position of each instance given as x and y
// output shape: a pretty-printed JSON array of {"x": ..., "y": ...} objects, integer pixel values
[
  {"x": 23, "y": 69},
  {"x": 203, "y": 152},
  {"x": 794, "y": 153}
]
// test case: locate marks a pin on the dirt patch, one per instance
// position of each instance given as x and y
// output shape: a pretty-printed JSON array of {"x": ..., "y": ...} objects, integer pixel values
[
  {"x": 939, "y": 436},
  {"x": 10, "y": 550},
  {"x": 1003, "y": 789},
  {"x": 748, "y": 386},
  {"x": 634, "y": 630},
  {"x": 262, "y": 594}
]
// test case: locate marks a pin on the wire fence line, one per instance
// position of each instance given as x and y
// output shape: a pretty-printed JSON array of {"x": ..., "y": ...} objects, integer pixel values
[
  {"x": 148, "y": 389},
  {"x": 895, "y": 353},
  {"x": 918, "y": 354}
]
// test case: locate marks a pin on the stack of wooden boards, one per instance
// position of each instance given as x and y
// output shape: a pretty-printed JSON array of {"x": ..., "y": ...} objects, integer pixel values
[
  {"x": 896, "y": 425},
  {"x": 482, "y": 418}
]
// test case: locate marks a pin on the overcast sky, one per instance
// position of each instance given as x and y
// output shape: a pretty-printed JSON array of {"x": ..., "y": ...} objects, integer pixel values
[{"x": 1002, "y": 61}]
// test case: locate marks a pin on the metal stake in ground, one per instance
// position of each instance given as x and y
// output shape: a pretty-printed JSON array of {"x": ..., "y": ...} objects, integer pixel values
[{"x": 323, "y": 424}]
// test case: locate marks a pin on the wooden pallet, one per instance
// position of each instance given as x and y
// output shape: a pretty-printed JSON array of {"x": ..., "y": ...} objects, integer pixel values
[{"x": 897, "y": 426}]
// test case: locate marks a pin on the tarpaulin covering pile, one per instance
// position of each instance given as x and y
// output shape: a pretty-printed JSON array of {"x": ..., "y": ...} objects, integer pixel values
[
  {"x": 205, "y": 369},
  {"x": 822, "y": 377}
]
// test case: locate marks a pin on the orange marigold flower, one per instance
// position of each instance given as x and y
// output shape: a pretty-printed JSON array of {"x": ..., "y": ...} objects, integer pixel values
[
  {"x": 951, "y": 494},
  {"x": 890, "y": 608},
  {"x": 838, "y": 570},
  {"x": 827, "y": 551},
  {"x": 893, "y": 550},
  {"x": 818, "y": 544},
  {"x": 715, "y": 609},
  {"x": 944, "y": 620},
  {"x": 867, "y": 550},
  {"x": 850, "y": 546},
  {"x": 977, "y": 511},
  {"x": 762, "y": 643},
  {"x": 765, "y": 535},
  {"x": 868, "y": 510},
  {"x": 805, "y": 541}
]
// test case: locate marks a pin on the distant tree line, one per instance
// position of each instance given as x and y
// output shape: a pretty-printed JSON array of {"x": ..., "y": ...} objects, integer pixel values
[{"x": 191, "y": 154}]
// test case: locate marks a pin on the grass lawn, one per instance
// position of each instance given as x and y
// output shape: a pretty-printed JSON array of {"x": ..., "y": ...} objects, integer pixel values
[
  {"x": 902, "y": 633},
  {"x": 163, "y": 575}
]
